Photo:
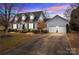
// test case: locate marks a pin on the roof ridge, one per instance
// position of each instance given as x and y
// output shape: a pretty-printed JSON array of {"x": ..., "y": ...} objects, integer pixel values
[{"x": 58, "y": 16}]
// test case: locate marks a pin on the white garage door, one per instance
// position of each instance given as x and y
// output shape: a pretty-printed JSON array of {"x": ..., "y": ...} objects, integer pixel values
[
  {"x": 58, "y": 30},
  {"x": 52, "y": 29},
  {"x": 62, "y": 30}
]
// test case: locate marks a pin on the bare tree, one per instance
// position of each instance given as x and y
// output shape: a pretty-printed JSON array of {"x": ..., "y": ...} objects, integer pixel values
[
  {"x": 46, "y": 13},
  {"x": 69, "y": 10},
  {"x": 74, "y": 22},
  {"x": 7, "y": 15},
  {"x": 72, "y": 14}
]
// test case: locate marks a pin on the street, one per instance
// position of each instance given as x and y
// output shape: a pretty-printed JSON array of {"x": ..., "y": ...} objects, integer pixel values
[{"x": 51, "y": 44}]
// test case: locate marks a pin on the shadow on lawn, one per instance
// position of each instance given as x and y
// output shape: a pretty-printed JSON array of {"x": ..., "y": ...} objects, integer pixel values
[{"x": 5, "y": 36}]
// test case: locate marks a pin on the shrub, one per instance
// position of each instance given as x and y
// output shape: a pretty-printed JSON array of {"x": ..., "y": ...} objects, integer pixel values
[
  {"x": 9, "y": 30},
  {"x": 35, "y": 31},
  {"x": 12, "y": 30},
  {"x": 44, "y": 31},
  {"x": 30, "y": 30},
  {"x": 24, "y": 31}
]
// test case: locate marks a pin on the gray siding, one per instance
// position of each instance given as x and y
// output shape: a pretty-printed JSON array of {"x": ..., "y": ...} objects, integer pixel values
[
  {"x": 57, "y": 21},
  {"x": 57, "y": 24}
]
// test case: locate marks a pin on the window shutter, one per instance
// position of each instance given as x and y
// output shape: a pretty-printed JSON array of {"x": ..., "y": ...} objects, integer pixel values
[
  {"x": 33, "y": 25},
  {"x": 27, "y": 25}
]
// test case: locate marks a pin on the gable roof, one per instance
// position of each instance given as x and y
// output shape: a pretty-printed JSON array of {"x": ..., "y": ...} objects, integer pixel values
[
  {"x": 36, "y": 16},
  {"x": 59, "y": 17}
]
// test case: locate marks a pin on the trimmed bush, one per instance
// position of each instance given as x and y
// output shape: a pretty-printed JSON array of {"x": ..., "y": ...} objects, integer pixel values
[
  {"x": 12, "y": 30},
  {"x": 44, "y": 31},
  {"x": 24, "y": 31},
  {"x": 9, "y": 30},
  {"x": 30, "y": 30},
  {"x": 35, "y": 31}
]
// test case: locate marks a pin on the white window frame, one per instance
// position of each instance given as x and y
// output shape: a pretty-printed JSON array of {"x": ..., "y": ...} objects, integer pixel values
[
  {"x": 19, "y": 26},
  {"x": 26, "y": 25},
  {"x": 31, "y": 16},
  {"x": 14, "y": 26},
  {"x": 23, "y": 17},
  {"x": 30, "y": 25},
  {"x": 16, "y": 18}
]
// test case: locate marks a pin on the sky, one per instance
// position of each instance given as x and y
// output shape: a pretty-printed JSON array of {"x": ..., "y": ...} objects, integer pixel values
[{"x": 50, "y": 8}]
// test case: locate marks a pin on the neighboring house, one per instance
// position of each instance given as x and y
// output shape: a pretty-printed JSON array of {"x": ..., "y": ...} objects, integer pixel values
[
  {"x": 57, "y": 24},
  {"x": 27, "y": 20}
]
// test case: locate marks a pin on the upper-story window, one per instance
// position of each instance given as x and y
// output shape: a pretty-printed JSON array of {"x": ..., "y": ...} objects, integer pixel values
[
  {"x": 31, "y": 16},
  {"x": 23, "y": 17},
  {"x": 16, "y": 18}
]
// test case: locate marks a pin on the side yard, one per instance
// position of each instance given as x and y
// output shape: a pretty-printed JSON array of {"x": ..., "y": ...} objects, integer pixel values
[{"x": 13, "y": 39}]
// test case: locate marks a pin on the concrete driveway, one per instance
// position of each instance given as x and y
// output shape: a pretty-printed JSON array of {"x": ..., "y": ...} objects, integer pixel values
[{"x": 50, "y": 44}]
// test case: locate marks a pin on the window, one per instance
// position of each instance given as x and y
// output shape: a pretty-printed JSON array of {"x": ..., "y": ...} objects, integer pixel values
[
  {"x": 26, "y": 26},
  {"x": 30, "y": 25},
  {"x": 16, "y": 18},
  {"x": 14, "y": 26},
  {"x": 19, "y": 26},
  {"x": 23, "y": 17},
  {"x": 31, "y": 16}
]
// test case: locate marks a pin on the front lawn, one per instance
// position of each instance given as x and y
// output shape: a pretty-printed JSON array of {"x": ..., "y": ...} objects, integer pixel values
[{"x": 11, "y": 40}]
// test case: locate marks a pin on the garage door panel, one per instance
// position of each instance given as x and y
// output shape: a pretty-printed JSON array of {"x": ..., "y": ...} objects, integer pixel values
[
  {"x": 52, "y": 29},
  {"x": 59, "y": 29},
  {"x": 62, "y": 29}
]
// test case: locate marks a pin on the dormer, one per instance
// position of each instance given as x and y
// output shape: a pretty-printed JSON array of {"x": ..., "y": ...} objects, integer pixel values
[
  {"x": 31, "y": 17},
  {"x": 16, "y": 18},
  {"x": 23, "y": 17},
  {"x": 41, "y": 17}
]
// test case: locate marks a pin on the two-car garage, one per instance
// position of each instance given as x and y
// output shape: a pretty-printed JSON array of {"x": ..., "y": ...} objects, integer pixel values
[{"x": 57, "y": 24}]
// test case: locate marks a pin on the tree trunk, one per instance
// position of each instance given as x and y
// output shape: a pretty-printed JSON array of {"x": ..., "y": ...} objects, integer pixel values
[
  {"x": 6, "y": 29},
  {"x": 40, "y": 30}
]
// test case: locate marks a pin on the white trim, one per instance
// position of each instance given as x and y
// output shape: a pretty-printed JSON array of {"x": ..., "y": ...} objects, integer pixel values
[
  {"x": 30, "y": 25},
  {"x": 31, "y": 17},
  {"x": 57, "y": 29},
  {"x": 26, "y": 26},
  {"x": 23, "y": 17},
  {"x": 14, "y": 26}
]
